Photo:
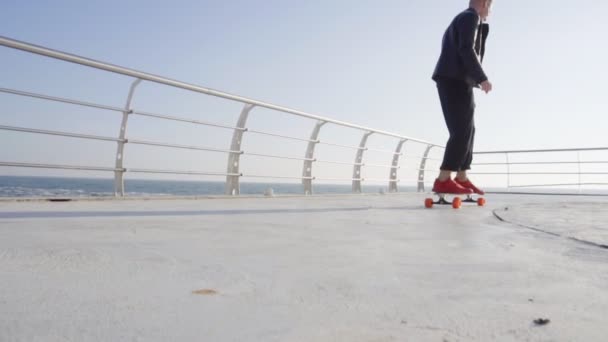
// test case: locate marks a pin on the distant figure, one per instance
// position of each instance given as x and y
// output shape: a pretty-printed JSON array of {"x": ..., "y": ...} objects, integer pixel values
[{"x": 457, "y": 72}]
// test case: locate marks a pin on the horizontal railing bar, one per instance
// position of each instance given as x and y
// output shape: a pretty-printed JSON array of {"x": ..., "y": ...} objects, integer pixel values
[
  {"x": 58, "y": 166},
  {"x": 175, "y": 118},
  {"x": 338, "y": 162},
  {"x": 541, "y": 163},
  {"x": 541, "y": 193},
  {"x": 275, "y": 156},
  {"x": 279, "y": 136},
  {"x": 15, "y": 44},
  {"x": 340, "y": 179},
  {"x": 413, "y": 180},
  {"x": 382, "y": 165},
  {"x": 384, "y": 151},
  {"x": 381, "y": 180},
  {"x": 356, "y": 164},
  {"x": 546, "y": 150},
  {"x": 63, "y": 134},
  {"x": 545, "y": 185},
  {"x": 59, "y": 99},
  {"x": 539, "y": 173},
  {"x": 274, "y": 177},
  {"x": 198, "y": 148},
  {"x": 345, "y": 146},
  {"x": 178, "y": 172}
]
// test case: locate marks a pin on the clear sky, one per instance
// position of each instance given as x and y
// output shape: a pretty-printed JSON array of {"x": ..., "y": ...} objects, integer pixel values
[{"x": 367, "y": 62}]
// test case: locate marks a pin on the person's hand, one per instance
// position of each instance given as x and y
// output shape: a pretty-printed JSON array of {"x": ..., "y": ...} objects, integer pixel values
[{"x": 486, "y": 86}]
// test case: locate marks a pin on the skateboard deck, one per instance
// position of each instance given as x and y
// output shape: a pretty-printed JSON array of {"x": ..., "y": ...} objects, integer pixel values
[{"x": 456, "y": 202}]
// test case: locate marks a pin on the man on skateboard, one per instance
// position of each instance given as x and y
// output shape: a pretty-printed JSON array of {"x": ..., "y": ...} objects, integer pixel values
[{"x": 457, "y": 72}]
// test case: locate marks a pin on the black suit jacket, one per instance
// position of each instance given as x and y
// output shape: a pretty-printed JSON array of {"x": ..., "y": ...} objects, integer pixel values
[{"x": 463, "y": 49}]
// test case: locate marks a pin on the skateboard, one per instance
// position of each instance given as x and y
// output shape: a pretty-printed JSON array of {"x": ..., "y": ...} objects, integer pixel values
[{"x": 456, "y": 201}]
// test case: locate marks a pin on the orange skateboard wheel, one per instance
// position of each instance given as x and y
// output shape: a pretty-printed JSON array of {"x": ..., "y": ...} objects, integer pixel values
[
  {"x": 481, "y": 201},
  {"x": 428, "y": 203},
  {"x": 456, "y": 203}
]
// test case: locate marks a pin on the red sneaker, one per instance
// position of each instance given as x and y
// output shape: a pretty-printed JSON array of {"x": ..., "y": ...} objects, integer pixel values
[
  {"x": 467, "y": 184},
  {"x": 450, "y": 187}
]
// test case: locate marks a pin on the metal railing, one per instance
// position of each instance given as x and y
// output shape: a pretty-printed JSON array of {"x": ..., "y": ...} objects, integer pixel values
[
  {"x": 561, "y": 167},
  {"x": 233, "y": 172}
]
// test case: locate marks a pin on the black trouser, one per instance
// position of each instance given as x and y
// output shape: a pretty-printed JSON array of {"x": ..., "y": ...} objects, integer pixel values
[{"x": 458, "y": 104}]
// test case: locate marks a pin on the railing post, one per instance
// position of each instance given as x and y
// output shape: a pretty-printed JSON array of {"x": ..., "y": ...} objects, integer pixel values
[
  {"x": 310, "y": 152},
  {"x": 578, "y": 157},
  {"x": 232, "y": 187},
  {"x": 422, "y": 168},
  {"x": 119, "y": 174},
  {"x": 392, "y": 184},
  {"x": 359, "y": 162},
  {"x": 508, "y": 171}
]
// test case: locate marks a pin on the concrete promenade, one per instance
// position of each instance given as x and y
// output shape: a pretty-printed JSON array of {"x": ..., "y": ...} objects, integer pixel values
[{"x": 321, "y": 268}]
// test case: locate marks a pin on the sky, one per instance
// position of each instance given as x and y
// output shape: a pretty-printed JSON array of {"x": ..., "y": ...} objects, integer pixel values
[{"x": 365, "y": 62}]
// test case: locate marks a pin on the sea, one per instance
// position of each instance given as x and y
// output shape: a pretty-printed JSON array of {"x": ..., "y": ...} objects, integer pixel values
[
  {"x": 46, "y": 187},
  {"x": 58, "y": 187}
]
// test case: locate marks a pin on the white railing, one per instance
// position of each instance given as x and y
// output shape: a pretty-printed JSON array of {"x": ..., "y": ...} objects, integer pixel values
[
  {"x": 233, "y": 172},
  {"x": 578, "y": 168}
]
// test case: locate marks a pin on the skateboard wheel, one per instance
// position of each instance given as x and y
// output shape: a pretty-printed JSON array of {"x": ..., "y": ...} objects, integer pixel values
[
  {"x": 456, "y": 203},
  {"x": 428, "y": 203},
  {"x": 481, "y": 201}
]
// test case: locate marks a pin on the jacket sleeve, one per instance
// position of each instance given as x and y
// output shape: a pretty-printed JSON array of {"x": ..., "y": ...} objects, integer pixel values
[{"x": 467, "y": 29}]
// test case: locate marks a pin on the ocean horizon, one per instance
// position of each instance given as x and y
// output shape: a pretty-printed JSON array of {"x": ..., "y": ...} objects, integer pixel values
[{"x": 39, "y": 186}]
